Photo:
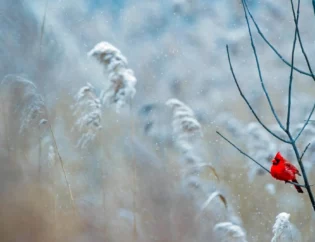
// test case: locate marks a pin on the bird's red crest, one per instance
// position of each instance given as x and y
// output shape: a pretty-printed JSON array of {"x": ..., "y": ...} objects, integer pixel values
[
  {"x": 278, "y": 158},
  {"x": 278, "y": 155}
]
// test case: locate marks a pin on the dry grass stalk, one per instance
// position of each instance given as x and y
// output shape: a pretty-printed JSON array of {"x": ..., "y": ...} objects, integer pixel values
[
  {"x": 33, "y": 109},
  {"x": 52, "y": 160},
  {"x": 29, "y": 106},
  {"x": 211, "y": 197}
]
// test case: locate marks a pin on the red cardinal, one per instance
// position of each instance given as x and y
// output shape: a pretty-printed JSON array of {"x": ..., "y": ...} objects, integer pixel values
[{"x": 283, "y": 170}]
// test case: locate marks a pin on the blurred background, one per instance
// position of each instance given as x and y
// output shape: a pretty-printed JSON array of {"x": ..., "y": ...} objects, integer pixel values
[{"x": 127, "y": 184}]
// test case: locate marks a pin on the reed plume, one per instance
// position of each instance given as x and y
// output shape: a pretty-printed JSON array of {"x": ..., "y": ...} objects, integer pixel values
[
  {"x": 229, "y": 232},
  {"x": 187, "y": 133},
  {"x": 283, "y": 230},
  {"x": 87, "y": 109},
  {"x": 120, "y": 88},
  {"x": 29, "y": 104},
  {"x": 186, "y": 128}
]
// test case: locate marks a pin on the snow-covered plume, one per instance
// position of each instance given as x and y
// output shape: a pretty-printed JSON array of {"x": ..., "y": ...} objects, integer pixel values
[
  {"x": 121, "y": 87},
  {"x": 186, "y": 132},
  {"x": 87, "y": 110},
  {"x": 30, "y": 103},
  {"x": 186, "y": 127},
  {"x": 109, "y": 56},
  {"x": 229, "y": 232},
  {"x": 283, "y": 230}
]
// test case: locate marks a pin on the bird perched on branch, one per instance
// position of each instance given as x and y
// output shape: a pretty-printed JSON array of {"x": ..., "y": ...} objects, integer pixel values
[{"x": 283, "y": 170}]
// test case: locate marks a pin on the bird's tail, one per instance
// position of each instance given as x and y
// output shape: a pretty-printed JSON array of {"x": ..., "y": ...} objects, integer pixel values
[{"x": 299, "y": 189}]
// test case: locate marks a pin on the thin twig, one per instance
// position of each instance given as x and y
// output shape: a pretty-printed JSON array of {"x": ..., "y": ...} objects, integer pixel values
[
  {"x": 242, "y": 152},
  {"x": 305, "y": 124},
  {"x": 296, "y": 19},
  {"x": 291, "y": 72},
  {"x": 259, "y": 70},
  {"x": 305, "y": 151},
  {"x": 248, "y": 104},
  {"x": 273, "y": 48}
]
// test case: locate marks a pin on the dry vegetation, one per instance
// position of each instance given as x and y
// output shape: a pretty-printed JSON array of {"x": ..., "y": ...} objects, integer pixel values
[{"x": 117, "y": 141}]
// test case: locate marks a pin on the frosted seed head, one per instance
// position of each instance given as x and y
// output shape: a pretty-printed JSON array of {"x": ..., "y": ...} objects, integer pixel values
[
  {"x": 88, "y": 112},
  {"x": 226, "y": 231}
]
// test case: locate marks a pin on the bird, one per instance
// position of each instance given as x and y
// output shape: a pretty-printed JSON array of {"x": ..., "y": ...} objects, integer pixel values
[{"x": 283, "y": 170}]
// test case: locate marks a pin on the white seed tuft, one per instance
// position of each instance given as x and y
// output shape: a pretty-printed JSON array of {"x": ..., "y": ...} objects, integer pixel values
[
  {"x": 283, "y": 230},
  {"x": 29, "y": 102},
  {"x": 108, "y": 55},
  {"x": 185, "y": 125},
  {"x": 121, "y": 90},
  {"x": 121, "y": 87},
  {"x": 229, "y": 232},
  {"x": 87, "y": 110}
]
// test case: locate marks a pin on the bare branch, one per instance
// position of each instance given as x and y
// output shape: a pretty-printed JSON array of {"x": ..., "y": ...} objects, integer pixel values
[
  {"x": 296, "y": 19},
  {"x": 242, "y": 152},
  {"x": 247, "y": 102},
  {"x": 273, "y": 48},
  {"x": 305, "y": 151},
  {"x": 259, "y": 70},
  {"x": 292, "y": 64},
  {"x": 306, "y": 123}
]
